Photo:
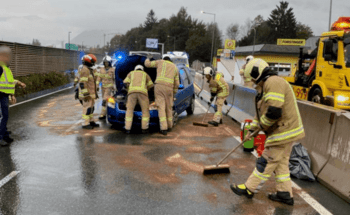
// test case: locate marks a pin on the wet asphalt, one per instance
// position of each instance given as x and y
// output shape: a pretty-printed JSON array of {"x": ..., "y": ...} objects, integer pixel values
[{"x": 63, "y": 169}]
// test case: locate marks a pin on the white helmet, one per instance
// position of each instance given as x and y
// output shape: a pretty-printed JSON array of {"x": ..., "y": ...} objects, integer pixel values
[
  {"x": 139, "y": 67},
  {"x": 107, "y": 59},
  {"x": 208, "y": 71},
  {"x": 255, "y": 68},
  {"x": 249, "y": 58}
]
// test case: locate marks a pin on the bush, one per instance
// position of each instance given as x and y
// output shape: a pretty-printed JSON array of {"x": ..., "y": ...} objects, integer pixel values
[{"x": 39, "y": 82}]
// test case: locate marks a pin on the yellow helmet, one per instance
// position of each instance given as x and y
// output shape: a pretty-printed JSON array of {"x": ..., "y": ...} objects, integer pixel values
[{"x": 255, "y": 68}]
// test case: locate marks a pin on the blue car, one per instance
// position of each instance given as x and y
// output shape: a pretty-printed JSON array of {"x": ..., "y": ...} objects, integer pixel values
[{"x": 116, "y": 106}]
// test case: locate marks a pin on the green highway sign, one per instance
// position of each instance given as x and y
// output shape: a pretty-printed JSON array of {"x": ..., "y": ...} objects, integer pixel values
[{"x": 72, "y": 46}]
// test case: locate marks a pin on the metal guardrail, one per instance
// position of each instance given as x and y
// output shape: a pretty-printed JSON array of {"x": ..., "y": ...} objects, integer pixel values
[{"x": 327, "y": 135}]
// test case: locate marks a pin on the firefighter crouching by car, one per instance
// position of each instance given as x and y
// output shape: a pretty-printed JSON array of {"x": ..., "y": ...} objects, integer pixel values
[
  {"x": 138, "y": 83},
  {"x": 87, "y": 91},
  {"x": 219, "y": 88},
  {"x": 106, "y": 75},
  {"x": 278, "y": 116},
  {"x": 166, "y": 86},
  {"x": 246, "y": 78}
]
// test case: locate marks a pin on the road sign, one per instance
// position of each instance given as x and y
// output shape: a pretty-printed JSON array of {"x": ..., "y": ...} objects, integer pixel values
[
  {"x": 230, "y": 44},
  {"x": 72, "y": 46},
  {"x": 291, "y": 42},
  {"x": 152, "y": 43}
]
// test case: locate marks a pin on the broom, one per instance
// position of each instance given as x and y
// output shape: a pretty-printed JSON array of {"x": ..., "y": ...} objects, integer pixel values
[
  {"x": 202, "y": 123},
  {"x": 225, "y": 168}
]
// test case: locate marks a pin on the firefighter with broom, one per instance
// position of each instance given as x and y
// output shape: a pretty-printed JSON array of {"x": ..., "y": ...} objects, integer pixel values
[
  {"x": 278, "y": 116},
  {"x": 219, "y": 88}
]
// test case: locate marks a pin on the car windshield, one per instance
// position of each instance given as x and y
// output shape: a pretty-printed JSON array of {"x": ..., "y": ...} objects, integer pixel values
[
  {"x": 180, "y": 60},
  {"x": 347, "y": 55}
]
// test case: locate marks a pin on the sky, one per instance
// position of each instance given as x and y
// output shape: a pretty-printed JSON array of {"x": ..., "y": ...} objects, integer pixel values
[{"x": 49, "y": 21}]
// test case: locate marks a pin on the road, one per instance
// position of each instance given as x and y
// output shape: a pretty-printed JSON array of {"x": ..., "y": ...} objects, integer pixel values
[{"x": 54, "y": 167}]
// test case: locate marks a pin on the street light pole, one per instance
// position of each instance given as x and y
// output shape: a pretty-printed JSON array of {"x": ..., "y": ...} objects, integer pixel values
[
  {"x": 254, "y": 40},
  {"x": 69, "y": 40},
  {"x": 212, "y": 44},
  {"x": 330, "y": 15},
  {"x": 174, "y": 41},
  {"x": 162, "y": 48}
]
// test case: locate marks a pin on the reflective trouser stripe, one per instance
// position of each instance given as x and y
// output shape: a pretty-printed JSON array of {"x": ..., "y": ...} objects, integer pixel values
[
  {"x": 128, "y": 119},
  {"x": 145, "y": 119},
  {"x": 85, "y": 116},
  {"x": 282, "y": 178},
  {"x": 218, "y": 113},
  {"x": 162, "y": 119}
]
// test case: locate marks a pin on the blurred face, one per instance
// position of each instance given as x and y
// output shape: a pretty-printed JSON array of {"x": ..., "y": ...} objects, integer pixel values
[
  {"x": 106, "y": 64},
  {"x": 5, "y": 58},
  {"x": 208, "y": 77}
]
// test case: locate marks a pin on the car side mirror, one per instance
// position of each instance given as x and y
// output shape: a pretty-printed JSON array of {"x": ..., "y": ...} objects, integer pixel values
[{"x": 181, "y": 86}]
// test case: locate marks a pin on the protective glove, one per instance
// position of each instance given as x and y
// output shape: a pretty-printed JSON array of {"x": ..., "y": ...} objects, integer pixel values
[
  {"x": 225, "y": 102},
  {"x": 211, "y": 99}
]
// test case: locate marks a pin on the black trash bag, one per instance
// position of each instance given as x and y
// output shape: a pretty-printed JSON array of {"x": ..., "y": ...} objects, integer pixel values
[{"x": 300, "y": 163}]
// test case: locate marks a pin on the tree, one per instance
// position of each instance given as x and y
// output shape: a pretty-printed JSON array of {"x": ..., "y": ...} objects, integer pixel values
[
  {"x": 151, "y": 20},
  {"x": 282, "y": 22},
  {"x": 36, "y": 42},
  {"x": 303, "y": 31},
  {"x": 232, "y": 31}
]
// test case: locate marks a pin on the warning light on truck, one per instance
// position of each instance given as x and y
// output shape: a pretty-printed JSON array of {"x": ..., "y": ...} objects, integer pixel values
[{"x": 342, "y": 24}]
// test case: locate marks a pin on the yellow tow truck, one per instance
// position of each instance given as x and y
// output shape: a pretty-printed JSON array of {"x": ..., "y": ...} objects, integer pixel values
[{"x": 323, "y": 76}]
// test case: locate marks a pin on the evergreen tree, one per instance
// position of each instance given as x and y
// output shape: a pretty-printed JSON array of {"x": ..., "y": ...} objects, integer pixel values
[
  {"x": 151, "y": 20},
  {"x": 282, "y": 22}
]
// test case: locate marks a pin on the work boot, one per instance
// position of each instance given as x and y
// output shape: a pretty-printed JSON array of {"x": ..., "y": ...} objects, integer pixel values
[
  {"x": 7, "y": 139},
  {"x": 127, "y": 131},
  {"x": 144, "y": 131},
  {"x": 94, "y": 124},
  {"x": 88, "y": 127},
  {"x": 220, "y": 121},
  {"x": 170, "y": 129},
  {"x": 283, "y": 197},
  {"x": 164, "y": 132},
  {"x": 102, "y": 118},
  {"x": 213, "y": 123},
  {"x": 241, "y": 189}
]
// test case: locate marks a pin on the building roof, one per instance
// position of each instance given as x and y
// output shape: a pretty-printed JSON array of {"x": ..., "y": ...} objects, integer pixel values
[{"x": 268, "y": 49}]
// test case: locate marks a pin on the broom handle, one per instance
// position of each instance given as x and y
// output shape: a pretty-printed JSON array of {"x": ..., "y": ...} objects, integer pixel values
[
  {"x": 206, "y": 112},
  {"x": 243, "y": 141}
]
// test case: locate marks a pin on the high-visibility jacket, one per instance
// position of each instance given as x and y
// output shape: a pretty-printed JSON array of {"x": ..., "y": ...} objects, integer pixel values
[
  {"x": 139, "y": 82},
  {"x": 107, "y": 77},
  {"x": 279, "y": 113},
  {"x": 167, "y": 73},
  {"x": 219, "y": 86},
  {"x": 7, "y": 82},
  {"x": 87, "y": 83},
  {"x": 76, "y": 79}
]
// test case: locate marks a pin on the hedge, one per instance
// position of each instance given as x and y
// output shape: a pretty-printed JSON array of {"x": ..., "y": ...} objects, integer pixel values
[{"x": 43, "y": 81}]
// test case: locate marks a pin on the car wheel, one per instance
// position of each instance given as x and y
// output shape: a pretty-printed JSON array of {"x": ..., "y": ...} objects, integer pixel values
[
  {"x": 175, "y": 118},
  {"x": 317, "y": 96},
  {"x": 190, "y": 109}
]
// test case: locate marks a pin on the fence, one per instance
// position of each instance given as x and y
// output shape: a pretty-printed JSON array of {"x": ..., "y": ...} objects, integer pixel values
[{"x": 30, "y": 59}]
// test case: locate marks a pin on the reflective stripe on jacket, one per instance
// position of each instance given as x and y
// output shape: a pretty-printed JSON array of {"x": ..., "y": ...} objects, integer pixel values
[
  {"x": 107, "y": 77},
  {"x": 7, "y": 82},
  {"x": 279, "y": 95},
  {"x": 167, "y": 73},
  {"x": 219, "y": 86},
  {"x": 139, "y": 82},
  {"x": 87, "y": 83}
]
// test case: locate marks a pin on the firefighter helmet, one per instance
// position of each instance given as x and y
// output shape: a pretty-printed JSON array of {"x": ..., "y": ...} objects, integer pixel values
[
  {"x": 139, "y": 67},
  {"x": 255, "y": 68},
  {"x": 249, "y": 58},
  {"x": 208, "y": 71},
  {"x": 90, "y": 59}
]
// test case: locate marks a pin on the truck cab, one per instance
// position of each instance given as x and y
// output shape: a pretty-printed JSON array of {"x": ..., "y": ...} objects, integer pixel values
[{"x": 326, "y": 78}]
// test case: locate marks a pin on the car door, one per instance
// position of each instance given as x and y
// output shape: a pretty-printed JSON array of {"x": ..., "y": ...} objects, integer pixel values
[{"x": 180, "y": 105}]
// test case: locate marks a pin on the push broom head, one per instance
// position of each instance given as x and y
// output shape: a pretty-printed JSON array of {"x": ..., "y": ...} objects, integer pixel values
[
  {"x": 200, "y": 124},
  {"x": 214, "y": 169}
]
